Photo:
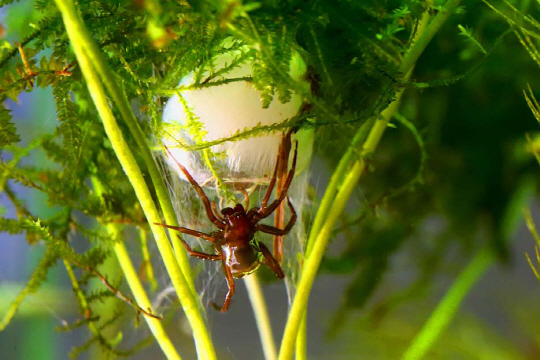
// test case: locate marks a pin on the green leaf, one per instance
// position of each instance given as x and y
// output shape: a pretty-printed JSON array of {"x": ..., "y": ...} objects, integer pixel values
[
  {"x": 8, "y": 134},
  {"x": 467, "y": 33}
]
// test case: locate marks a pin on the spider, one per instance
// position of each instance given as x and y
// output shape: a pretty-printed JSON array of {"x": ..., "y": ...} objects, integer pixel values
[{"x": 234, "y": 241}]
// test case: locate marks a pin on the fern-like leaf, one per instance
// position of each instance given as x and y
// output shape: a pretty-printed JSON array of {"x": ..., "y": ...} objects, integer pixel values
[{"x": 8, "y": 134}]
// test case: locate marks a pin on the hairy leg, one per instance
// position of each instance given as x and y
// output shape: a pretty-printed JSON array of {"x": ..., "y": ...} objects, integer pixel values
[
  {"x": 230, "y": 285},
  {"x": 184, "y": 230},
  {"x": 200, "y": 191},
  {"x": 199, "y": 254},
  {"x": 270, "y": 261}
]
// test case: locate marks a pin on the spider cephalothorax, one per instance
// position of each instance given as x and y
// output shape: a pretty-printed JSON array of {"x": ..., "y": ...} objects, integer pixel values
[{"x": 234, "y": 240}]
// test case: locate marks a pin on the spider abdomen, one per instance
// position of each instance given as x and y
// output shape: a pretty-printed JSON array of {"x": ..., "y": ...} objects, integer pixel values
[{"x": 242, "y": 260}]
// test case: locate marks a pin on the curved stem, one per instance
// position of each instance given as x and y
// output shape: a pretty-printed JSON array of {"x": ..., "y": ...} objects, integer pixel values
[
  {"x": 75, "y": 29},
  {"x": 83, "y": 304},
  {"x": 155, "y": 325},
  {"x": 441, "y": 316},
  {"x": 312, "y": 263},
  {"x": 426, "y": 33},
  {"x": 332, "y": 188},
  {"x": 110, "y": 81},
  {"x": 301, "y": 339},
  {"x": 350, "y": 169}
]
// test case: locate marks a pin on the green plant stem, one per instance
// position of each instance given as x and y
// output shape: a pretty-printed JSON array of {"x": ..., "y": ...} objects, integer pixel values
[
  {"x": 111, "y": 84},
  {"x": 148, "y": 269},
  {"x": 311, "y": 264},
  {"x": 139, "y": 293},
  {"x": 441, "y": 316},
  {"x": 320, "y": 218},
  {"x": 135, "y": 284},
  {"x": 301, "y": 339},
  {"x": 26, "y": 290},
  {"x": 340, "y": 191},
  {"x": 75, "y": 28},
  {"x": 262, "y": 319},
  {"x": 80, "y": 296},
  {"x": 426, "y": 33},
  {"x": 333, "y": 186}
]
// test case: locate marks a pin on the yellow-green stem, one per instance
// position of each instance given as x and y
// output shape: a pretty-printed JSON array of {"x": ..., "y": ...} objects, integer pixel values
[
  {"x": 75, "y": 28},
  {"x": 441, "y": 316},
  {"x": 148, "y": 269},
  {"x": 319, "y": 238},
  {"x": 110, "y": 81},
  {"x": 155, "y": 325},
  {"x": 301, "y": 339},
  {"x": 311, "y": 264},
  {"x": 260, "y": 311},
  {"x": 135, "y": 285},
  {"x": 80, "y": 296},
  {"x": 339, "y": 192}
]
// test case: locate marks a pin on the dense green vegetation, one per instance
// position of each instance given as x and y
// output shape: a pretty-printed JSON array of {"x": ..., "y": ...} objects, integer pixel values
[{"x": 418, "y": 114}]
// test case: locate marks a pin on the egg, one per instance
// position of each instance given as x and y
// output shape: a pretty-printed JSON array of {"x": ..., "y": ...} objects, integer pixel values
[{"x": 217, "y": 112}]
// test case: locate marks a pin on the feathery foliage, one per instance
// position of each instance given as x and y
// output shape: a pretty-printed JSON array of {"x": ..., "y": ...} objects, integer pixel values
[{"x": 432, "y": 160}]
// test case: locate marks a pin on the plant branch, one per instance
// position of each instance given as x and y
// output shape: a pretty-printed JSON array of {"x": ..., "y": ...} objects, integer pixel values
[
  {"x": 136, "y": 286},
  {"x": 262, "y": 319},
  {"x": 85, "y": 308},
  {"x": 441, "y": 316},
  {"x": 78, "y": 34},
  {"x": 109, "y": 79},
  {"x": 340, "y": 191},
  {"x": 123, "y": 297}
]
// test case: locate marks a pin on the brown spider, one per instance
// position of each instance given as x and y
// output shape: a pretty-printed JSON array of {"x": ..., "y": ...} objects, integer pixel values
[{"x": 233, "y": 242}]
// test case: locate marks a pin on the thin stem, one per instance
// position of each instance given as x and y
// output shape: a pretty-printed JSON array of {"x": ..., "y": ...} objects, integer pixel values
[
  {"x": 301, "y": 340},
  {"x": 341, "y": 191},
  {"x": 12, "y": 310},
  {"x": 260, "y": 311},
  {"x": 156, "y": 326},
  {"x": 75, "y": 29},
  {"x": 441, "y": 316},
  {"x": 124, "y": 298},
  {"x": 109, "y": 79},
  {"x": 311, "y": 264},
  {"x": 80, "y": 296},
  {"x": 530, "y": 225},
  {"x": 332, "y": 188},
  {"x": 147, "y": 263}
]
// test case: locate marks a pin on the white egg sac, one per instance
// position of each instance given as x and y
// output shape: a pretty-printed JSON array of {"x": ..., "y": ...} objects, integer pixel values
[{"x": 222, "y": 111}]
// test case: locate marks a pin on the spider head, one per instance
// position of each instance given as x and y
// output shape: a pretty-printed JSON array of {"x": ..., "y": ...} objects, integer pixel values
[
  {"x": 227, "y": 212},
  {"x": 240, "y": 227},
  {"x": 237, "y": 211}
]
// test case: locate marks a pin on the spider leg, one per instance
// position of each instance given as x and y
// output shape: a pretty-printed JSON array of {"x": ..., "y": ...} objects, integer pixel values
[
  {"x": 279, "y": 213},
  {"x": 230, "y": 285},
  {"x": 246, "y": 196},
  {"x": 199, "y": 254},
  {"x": 200, "y": 191},
  {"x": 284, "y": 151},
  {"x": 276, "y": 231},
  {"x": 251, "y": 214},
  {"x": 214, "y": 207},
  {"x": 184, "y": 230},
  {"x": 270, "y": 261},
  {"x": 272, "y": 181},
  {"x": 285, "y": 142},
  {"x": 267, "y": 210}
]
